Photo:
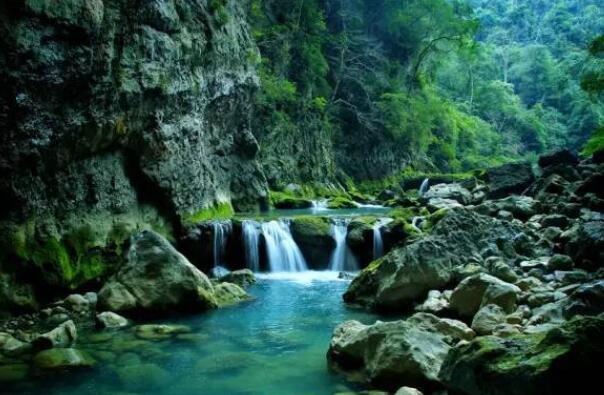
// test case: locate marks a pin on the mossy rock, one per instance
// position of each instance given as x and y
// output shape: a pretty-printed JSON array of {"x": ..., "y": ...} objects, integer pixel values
[
  {"x": 313, "y": 236},
  {"x": 59, "y": 359},
  {"x": 560, "y": 361},
  {"x": 340, "y": 203},
  {"x": 222, "y": 210},
  {"x": 282, "y": 200},
  {"x": 228, "y": 294}
]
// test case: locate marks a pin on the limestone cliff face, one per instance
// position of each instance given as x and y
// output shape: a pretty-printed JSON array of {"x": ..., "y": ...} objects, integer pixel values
[
  {"x": 106, "y": 103},
  {"x": 117, "y": 115}
]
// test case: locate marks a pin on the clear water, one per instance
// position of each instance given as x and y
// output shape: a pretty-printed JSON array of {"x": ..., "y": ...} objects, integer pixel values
[{"x": 274, "y": 344}]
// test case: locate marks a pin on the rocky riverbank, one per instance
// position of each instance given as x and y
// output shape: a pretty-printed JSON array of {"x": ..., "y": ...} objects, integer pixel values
[{"x": 503, "y": 295}]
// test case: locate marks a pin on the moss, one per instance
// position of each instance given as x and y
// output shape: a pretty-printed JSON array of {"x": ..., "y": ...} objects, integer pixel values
[
  {"x": 310, "y": 225},
  {"x": 373, "y": 266},
  {"x": 219, "y": 211},
  {"x": 340, "y": 203},
  {"x": 285, "y": 200},
  {"x": 434, "y": 218}
]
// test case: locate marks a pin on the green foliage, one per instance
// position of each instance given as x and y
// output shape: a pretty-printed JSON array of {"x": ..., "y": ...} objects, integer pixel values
[
  {"x": 595, "y": 143},
  {"x": 218, "y": 211}
]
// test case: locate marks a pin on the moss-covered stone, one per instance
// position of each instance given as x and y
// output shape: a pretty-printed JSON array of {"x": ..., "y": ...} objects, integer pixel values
[
  {"x": 313, "y": 236},
  {"x": 340, "y": 203},
  {"x": 561, "y": 360},
  {"x": 282, "y": 200}
]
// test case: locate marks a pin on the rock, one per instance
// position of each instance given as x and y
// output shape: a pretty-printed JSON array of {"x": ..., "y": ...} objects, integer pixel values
[
  {"x": 407, "y": 273},
  {"x": 408, "y": 391},
  {"x": 502, "y": 271},
  {"x": 506, "y": 330},
  {"x": 242, "y": 278},
  {"x": 511, "y": 178},
  {"x": 487, "y": 318},
  {"x": 13, "y": 373},
  {"x": 538, "y": 363},
  {"x": 57, "y": 319},
  {"x": 588, "y": 299},
  {"x": 159, "y": 332},
  {"x": 62, "y": 336},
  {"x": 559, "y": 157},
  {"x": 434, "y": 303},
  {"x": 10, "y": 346},
  {"x": 481, "y": 290},
  {"x": 560, "y": 262},
  {"x": 156, "y": 279},
  {"x": 449, "y": 191},
  {"x": 340, "y": 203},
  {"x": 593, "y": 185},
  {"x": 59, "y": 359},
  {"x": 585, "y": 244},
  {"x": 556, "y": 220},
  {"x": 227, "y": 294},
  {"x": 457, "y": 330},
  {"x": 109, "y": 319},
  {"x": 15, "y": 297},
  {"x": 77, "y": 303},
  {"x": 291, "y": 203},
  {"x": 313, "y": 236},
  {"x": 386, "y": 194},
  {"x": 388, "y": 354},
  {"x": 436, "y": 204},
  {"x": 141, "y": 376},
  {"x": 92, "y": 298}
]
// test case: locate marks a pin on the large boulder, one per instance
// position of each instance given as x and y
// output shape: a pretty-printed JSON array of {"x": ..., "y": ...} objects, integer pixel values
[
  {"x": 481, "y": 290},
  {"x": 561, "y": 360},
  {"x": 407, "y": 273},
  {"x": 391, "y": 354},
  {"x": 313, "y": 236},
  {"x": 156, "y": 279},
  {"x": 62, "y": 336},
  {"x": 585, "y": 244},
  {"x": 511, "y": 178},
  {"x": 449, "y": 191},
  {"x": 558, "y": 157}
]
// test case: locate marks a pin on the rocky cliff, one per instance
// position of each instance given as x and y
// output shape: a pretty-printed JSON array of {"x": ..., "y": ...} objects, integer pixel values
[{"x": 130, "y": 111}]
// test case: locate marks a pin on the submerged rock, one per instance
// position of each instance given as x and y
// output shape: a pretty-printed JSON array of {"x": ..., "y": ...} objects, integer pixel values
[
  {"x": 48, "y": 361},
  {"x": 407, "y": 273},
  {"x": 242, "y": 278},
  {"x": 13, "y": 373},
  {"x": 156, "y": 279},
  {"x": 159, "y": 332},
  {"x": 561, "y": 360}
]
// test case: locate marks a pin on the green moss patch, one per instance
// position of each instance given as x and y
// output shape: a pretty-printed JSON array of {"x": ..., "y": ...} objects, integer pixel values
[{"x": 219, "y": 211}]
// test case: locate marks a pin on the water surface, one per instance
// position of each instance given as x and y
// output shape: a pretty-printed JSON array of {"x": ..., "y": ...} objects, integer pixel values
[{"x": 275, "y": 344}]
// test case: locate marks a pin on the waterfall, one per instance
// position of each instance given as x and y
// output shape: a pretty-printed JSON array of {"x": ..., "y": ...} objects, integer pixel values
[
  {"x": 319, "y": 205},
  {"x": 416, "y": 222},
  {"x": 282, "y": 251},
  {"x": 222, "y": 231},
  {"x": 378, "y": 242},
  {"x": 341, "y": 259},
  {"x": 424, "y": 187},
  {"x": 251, "y": 239}
]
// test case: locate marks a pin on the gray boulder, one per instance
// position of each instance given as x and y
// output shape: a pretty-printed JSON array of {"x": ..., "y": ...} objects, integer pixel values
[
  {"x": 449, "y": 191},
  {"x": 109, "y": 319},
  {"x": 511, "y": 178},
  {"x": 407, "y": 273},
  {"x": 481, "y": 290},
  {"x": 156, "y": 279},
  {"x": 585, "y": 244},
  {"x": 487, "y": 319},
  {"x": 62, "y": 336}
]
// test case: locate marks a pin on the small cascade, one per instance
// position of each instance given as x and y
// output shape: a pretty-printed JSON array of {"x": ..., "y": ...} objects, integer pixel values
[
  {"x": 370, "y": 206},
  {"x": 341, "y": 259},
  {"x": 378, "y": 242},
  {"x": 251, "y": 240},
  {"x": 424, "y": 187},
  {"x": 222, "y": 231},
  {"x": 416, "y": 222},
  {"x": 282, "y": 251},
  {"x": 319, "y": 205}
]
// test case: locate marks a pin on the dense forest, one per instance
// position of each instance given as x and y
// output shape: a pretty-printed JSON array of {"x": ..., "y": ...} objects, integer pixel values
[{"x": 431, "y": 85}]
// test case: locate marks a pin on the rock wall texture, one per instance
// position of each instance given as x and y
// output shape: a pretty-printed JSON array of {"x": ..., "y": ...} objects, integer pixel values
[
  {"x": 118, "y": 115},
  {"x": 107, "y": 103}
]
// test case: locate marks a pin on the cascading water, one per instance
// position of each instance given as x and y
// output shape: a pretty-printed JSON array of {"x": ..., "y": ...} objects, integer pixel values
[
  {"x": 378, "y": 242},
  {"x": 424, "y": 187},
  {"x": 341, "y": 259},
  {"x": 319, "y": 205},
  {"x": 282, "y": 251},
  {"x": 222, "y": 231},
  {"x": 416, "y": 223},
  {"x": 251, "y": 240}
]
